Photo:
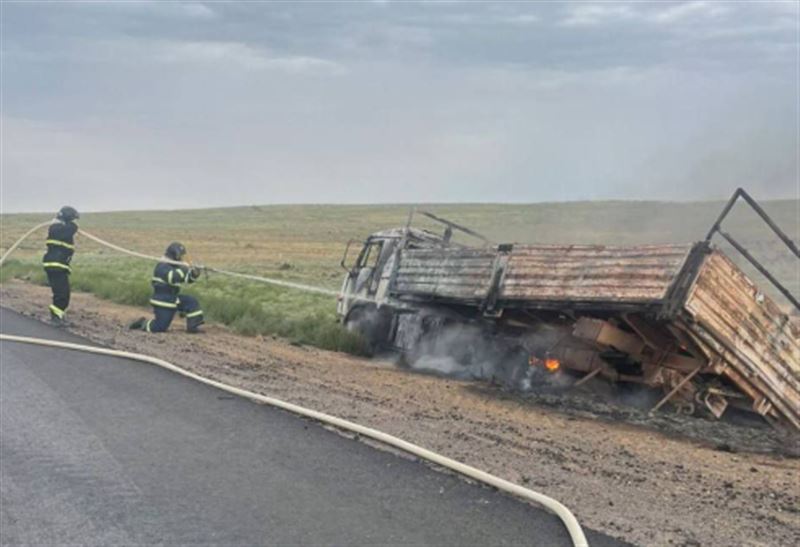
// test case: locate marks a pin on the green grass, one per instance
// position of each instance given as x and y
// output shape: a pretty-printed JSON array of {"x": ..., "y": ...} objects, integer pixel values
[
  {"x": 247, "y": 308},
  {"x": 15, "y": 269}
]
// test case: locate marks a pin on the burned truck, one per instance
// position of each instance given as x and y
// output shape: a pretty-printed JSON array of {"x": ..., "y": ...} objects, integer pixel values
[{"x": 682, "y": 318}]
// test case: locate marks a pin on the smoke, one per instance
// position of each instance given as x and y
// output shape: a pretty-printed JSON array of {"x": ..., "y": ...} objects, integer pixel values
[
  {"x": 467, "y": 352},
  {"x": 637, "y": 396}
]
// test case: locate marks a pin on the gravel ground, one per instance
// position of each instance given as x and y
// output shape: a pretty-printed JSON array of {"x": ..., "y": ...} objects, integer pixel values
[{"x": 652, "y": 481}]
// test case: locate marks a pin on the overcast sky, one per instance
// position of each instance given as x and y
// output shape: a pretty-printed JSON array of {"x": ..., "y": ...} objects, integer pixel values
[{"x": 124, "y": 105}]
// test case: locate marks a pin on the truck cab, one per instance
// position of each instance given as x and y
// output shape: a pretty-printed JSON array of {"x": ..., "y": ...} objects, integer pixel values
[{"x": 366, "y": 278}]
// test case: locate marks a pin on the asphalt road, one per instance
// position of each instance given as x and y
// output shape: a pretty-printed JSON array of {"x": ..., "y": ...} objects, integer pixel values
[{"x": 98, "y": 450}]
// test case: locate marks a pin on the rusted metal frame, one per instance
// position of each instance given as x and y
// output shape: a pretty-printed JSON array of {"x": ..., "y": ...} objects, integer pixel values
[
  {"x": 346, "y": 251},
  {"x": 588, "y": 377},
  {"x": 717, "y": 403},
  {"x": 663, "y": 354},
  {"x": 606, "y": 334},
  {"x": 677, "y": 388},
  {"x": 684, "y": 281},
  {"x": 587, "y": 306},
  {"x": 427, "y": 298},
  {"x": 740, "y": 192},
  {"x": 716, "y": 228},
  {"x": 691, "y": 343},
  {"x": 666, "y": 348},
  {"x": 646, "y": 332},
  {"x": 745, "y": 253},
  {"x": 499, "y": 270},
  {"x": 724, "y": 213},
  {"x": 450, "y": 224}
]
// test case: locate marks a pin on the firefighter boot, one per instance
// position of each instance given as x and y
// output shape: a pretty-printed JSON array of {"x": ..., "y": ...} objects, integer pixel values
[
  {"x": 57, "y": 317},
  {"x": 139, "y": 324},
  {"x": 193, "y": 323}
]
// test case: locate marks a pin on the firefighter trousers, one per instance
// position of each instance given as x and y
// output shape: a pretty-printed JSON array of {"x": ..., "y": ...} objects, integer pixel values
[
  {"x": 186, "y": 305},
  {"x": 58, "y": 279}
]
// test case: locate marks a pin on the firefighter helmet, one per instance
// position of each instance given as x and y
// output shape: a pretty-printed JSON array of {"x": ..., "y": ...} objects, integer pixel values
[
  {"x": 68, "y": 214},
  {"x": 175, "y": 251}
]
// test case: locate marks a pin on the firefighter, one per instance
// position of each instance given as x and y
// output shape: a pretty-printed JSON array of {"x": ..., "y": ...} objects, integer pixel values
[
  {"x": 166, "y": 301},
  {"x": 56, "y": 261}
]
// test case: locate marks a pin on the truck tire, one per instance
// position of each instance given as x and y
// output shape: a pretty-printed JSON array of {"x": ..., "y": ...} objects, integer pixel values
[{"x": 372, "y": 324}]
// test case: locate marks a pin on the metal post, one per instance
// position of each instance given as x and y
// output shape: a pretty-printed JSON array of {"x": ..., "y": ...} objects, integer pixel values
[
  {"x": 586, "y": 378},
  {"x": 740, "y": 192},
  {"x": 724, "y": 213},
  {"x": 760, "y": 268},
  {"x": 775, "y": 228}
]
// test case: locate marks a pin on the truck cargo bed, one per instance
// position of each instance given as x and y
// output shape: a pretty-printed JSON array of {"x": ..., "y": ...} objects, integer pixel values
[{"x": 693, "y": 289}]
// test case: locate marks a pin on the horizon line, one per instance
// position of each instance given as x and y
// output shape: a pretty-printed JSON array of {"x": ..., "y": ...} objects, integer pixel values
[{"x": 406, "y": 204}]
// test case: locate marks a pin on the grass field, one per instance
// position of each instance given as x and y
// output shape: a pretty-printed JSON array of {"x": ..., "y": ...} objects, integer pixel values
[{"x": 305, "y": 243}]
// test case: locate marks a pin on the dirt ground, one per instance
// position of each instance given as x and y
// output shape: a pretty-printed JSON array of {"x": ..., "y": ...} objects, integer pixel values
[{"x": 652, "y": 481}]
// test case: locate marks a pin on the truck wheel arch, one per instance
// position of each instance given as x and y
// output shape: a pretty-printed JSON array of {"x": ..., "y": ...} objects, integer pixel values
[{"x": 372, "y": 323}]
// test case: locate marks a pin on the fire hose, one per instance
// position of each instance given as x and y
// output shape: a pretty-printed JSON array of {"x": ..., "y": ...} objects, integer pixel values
[{"x": 570, "y": 522}]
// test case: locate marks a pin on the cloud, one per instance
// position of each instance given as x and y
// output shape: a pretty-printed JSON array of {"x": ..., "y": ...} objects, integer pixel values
[
  {"x": 595, "y": 14},
  {"x": 680, "y": 12},
  {"x": 199, "y": 11},
  {"x": 191, "y": 10},
  {"x": 241, "y": 55},
  {"x": 467, "y": 101},
  {"x": 610, "y": 13},
  {"x": 519, "y": 19}
]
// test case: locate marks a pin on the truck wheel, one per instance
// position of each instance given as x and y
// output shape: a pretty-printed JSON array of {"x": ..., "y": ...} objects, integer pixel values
[{"x": 372, "y": 324}]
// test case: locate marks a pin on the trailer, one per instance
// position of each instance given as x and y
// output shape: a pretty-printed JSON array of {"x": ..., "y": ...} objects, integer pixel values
[{"x": 682, "y": 318}]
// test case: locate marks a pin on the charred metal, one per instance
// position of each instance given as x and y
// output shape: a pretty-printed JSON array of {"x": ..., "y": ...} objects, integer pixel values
[{"x": 681, "y": 318}]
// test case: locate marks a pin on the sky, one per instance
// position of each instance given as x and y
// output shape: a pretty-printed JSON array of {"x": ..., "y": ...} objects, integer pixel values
[{"x": 160, "y": 105}]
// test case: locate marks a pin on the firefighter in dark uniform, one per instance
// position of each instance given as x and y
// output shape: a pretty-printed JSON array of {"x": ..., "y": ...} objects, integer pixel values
[
  {"x": 56, "y": 261},
  {"x": 167, "y": 300}
]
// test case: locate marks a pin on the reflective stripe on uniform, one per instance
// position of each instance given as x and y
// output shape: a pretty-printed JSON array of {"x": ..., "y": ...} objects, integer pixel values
[
  {"x": 163, "y": 282},
  {"x": 195, "y": 313},
  {"x": 161, "y": 304},
  {"x": 147, "y": 325},
  {"x": 61, "y": 243},
  {"x": 56, "y": 265},
  {"x": 180, "y": 272},
  {"x": 58, "y": 312}
]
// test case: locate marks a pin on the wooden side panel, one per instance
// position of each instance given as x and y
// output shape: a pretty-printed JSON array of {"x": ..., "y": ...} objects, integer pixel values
[
  {"x": 593, "y": 273},
  {"x": 462, "y": 274},
  {"x": 749, "y": 332}
]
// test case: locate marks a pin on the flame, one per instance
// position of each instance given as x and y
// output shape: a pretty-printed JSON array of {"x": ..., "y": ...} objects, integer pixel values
[{"x": 552, "y": 365}]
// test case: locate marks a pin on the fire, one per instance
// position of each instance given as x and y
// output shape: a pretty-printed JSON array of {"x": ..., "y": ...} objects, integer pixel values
[{"x": 551, "y": 364}]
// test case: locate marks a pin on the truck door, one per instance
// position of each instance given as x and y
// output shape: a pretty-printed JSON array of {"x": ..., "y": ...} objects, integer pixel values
[{"x": 368, "y": 274}]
